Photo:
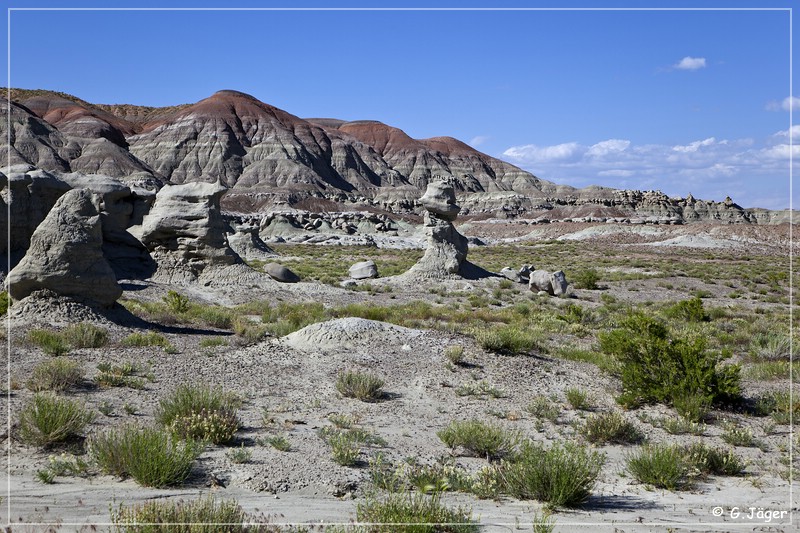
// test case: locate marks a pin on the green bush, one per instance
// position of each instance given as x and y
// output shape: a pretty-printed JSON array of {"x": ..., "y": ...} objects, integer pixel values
[
  {"x": 176, "y": 302},
  {"x": 562, "y": 475},
  {"x": 4, "y": 302},
  {"x": 661, "y": 465},
  {"x": 150, "y": 338},
  {"x": 657, "y": 368},
  {"x": 479, "y": 439},
  {"x": 150, "y": 456},
  {"x": 423, "y": 514},
  {"x": 51, "y": 342},
  {"x": 85, "y": 335},
  {"x": 56, "y": 375},
  {"x": 47, "y": 419},
  {"x": 578, "y": 399},
  {"x": 360, "y": 385},
  {"x": 200, "y": 412},
  {"x": 123, "y": 375},
  {"x": 714, "y": 461},
  {"x": 611, "y": 427},
  {"x": 507, "y": 339},
  {"x": 689, "y": 310},
  {"x": 586, "y": 279},
  {"x": 204, "y": 515}
]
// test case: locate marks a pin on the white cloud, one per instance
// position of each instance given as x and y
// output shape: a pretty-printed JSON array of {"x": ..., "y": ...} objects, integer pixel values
[
  {"x": 610, "y": 146},
  {"x": 695, "y": 146},
  {"x": 710, "y": 169},
  {"x": 690, "y": 63},
  {"x": 532, "y": 153},
  {"x": 478, "y": 140},
  {"x": 792, "y": 133},
  {"x": 790, "y": 103}
]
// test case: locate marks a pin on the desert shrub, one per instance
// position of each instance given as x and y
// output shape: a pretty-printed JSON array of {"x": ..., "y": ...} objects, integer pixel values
[
  {"x": 692, "y": 407},
  {"x": 4, "y": 302},
  {"x": 562, "y": 475},
  {"x": 122, "y": 375},
  {"x": 150, "y": 338},
  {"x": 657, "y": 368},
  {"x": 780, "y": 406},
  {"x": 56, "y": 375},
  {"x": 85, "y": 335},
  {"x": 682, "y": 426},
  {"x": 578, "y": 399},
  {"x": 360, "y": 385},
  {"x": 200, "y": 412},
  {"x": 287, "y": 318},
  {"x": 689, "y": 310},
  {"x": 150, "y": 456},
  {"x": 176, "y": 302},
  {"x": 279, "y": 442},
  {"x": 212, "y": 342},
  {"x": 479, "y": 439},
  {"x": 344, "y": 448},
  {"x": 714, "y": 461},
  {"x": 586, "y": 279},
  {"x": 51, "y": 342},
  {"x": 611, "y": 427},
  {"x": 47, "y": 419},
  {"x": 423, "y": 514},
  {"x": 204, "y": 515},
  {"x": 455, "y": 354},
  {"x": 661, "y": 465},
  {"x": 541, "y": 407},
  {"x": 480, "y": 388},
  {"x": 739, "y": 436},
  {"x": 248, "y": 331},
  {"x": 508, "y": 339},
  {"x": 769, "y": 347},
  {"x": 212, "y": 315},
  {"x": 239, "y": 455}
]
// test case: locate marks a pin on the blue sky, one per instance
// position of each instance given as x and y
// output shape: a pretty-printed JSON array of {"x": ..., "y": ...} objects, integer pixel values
[{"x": 680, "y": 101}]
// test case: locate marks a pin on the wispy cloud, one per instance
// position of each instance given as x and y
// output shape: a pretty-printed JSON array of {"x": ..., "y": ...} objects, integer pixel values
[
  {"x": 690, "y": 63},
  {"x": 790, "y": 103},
  {"x": 478, "y": 140},
  {"x": 709, "y": 168}
]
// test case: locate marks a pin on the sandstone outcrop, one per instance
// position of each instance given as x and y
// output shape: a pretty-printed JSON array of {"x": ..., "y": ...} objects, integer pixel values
[
  {"x": 65, "y": 254},
  {"x": 248, "y": 245},
  {"x": 185, "y": 232},
  {"x": 447, "y": 248}
]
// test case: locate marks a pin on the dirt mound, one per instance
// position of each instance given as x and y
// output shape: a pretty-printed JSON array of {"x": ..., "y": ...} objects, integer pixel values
[{"x": 352, "y": 334}]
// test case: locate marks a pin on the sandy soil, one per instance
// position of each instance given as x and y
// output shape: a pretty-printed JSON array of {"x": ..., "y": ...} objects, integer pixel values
[{"x": 293, "y": 379}]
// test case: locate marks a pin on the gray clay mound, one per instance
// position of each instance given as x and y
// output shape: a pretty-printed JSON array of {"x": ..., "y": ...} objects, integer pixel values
[{"x": 352, "y": 334}]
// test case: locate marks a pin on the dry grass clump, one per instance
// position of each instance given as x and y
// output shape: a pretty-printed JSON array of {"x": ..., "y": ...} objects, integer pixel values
[
  {"x": 200, "y": 413},
  {"x": 57, "y": 374},
  {"x": 479, "y": 439},
  {"x": 414, "y": 513},
  {"x": 611, "y": 427},
  {"x": 51, "y": 342},
  {"x": 360, "y": 385},
  {"x": 661, "y": 465},
  {"x": 85, "y": 335},
  {"x": 149, "y": 455},
  {"x": 47, "y": 419}
]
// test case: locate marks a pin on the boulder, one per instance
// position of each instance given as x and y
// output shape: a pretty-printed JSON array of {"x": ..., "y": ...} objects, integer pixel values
[
  {"x": 440, "y": 200},
  {"x": 281, "y": 273},
  {"x": 558, "y": 281},
  {"x": 554, "y": 284},
  {"x": 246, "y": 242},
  {"x": 525, "y": 273},
  {"x": 65, "y": 254},
  {"x": 364, "y": 270},
  {"x": 540, "y": 281},
  {"x": 510, "y": 273}
]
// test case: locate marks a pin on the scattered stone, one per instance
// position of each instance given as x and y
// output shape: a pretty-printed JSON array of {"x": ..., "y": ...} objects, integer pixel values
[
  {"x": 281, "y": 273},
  {"x": 364, "y": 270},
  {"x": 348, "y": 284},
  {"x": 525, "y": 273},
  {"x": 65, "y": 254},
  {"x": 510, "y": 273}
]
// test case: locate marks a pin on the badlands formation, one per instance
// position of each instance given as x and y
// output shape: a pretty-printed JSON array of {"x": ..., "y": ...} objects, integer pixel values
[{"x": 230, "y": 244}]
